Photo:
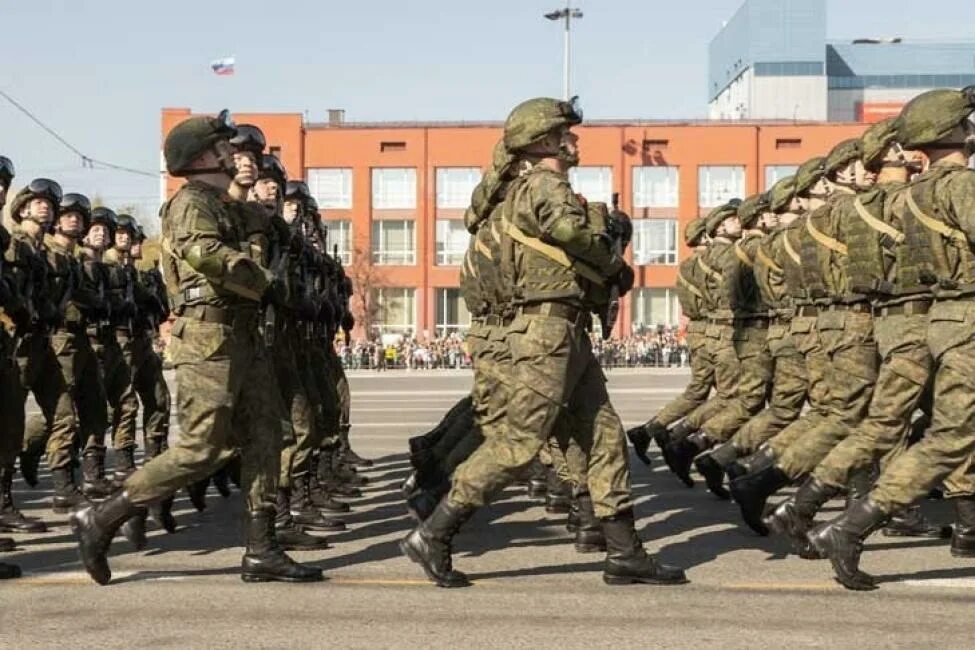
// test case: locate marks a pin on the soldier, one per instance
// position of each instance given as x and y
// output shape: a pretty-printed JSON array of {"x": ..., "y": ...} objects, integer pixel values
[
  {"x": 939, "y": 233},
  {"x": 844, "y": 330},
  {"x": 788, "y": 384},
  {"x": 221, "y": 368},
  {"x": 691, "y": 297},
  {"x": 549, "y": 254}
]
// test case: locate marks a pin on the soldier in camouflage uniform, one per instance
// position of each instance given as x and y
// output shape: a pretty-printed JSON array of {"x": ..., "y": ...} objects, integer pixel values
[
  {"x": 939, "y": 231},
  {"x": 788, "y": 384},
  {"x": 844, "y": 330},
  {"x": 549, "y": 254},
  {"x": 222, "y": 369},
  {"x": 690, "y": 293}
]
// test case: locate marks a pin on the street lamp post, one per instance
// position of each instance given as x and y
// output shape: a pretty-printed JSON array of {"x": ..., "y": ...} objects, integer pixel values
[{"x": 565, "y": 15}]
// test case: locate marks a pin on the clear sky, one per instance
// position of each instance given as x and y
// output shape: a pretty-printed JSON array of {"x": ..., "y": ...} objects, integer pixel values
[{"x": 99, "y": 71}]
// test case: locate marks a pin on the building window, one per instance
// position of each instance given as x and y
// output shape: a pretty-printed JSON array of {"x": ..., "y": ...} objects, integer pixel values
[
  {"x": 654, "y": 307},
  {"x": 397, "y": 310},
  {"x": 775, "y": 173},
  {"x": 654, "y": 241},
  {"x": 340, "y": 236},
  {"x": 331, "y": 187},
  {"x": 394, "y": 242},
  {"x": 452, "y": 314},
  {"x": 455, "y": 185},
  {"x": 594, "y": 183},
  {"x": 393, "y": 188},
  {"x": 655, "y": 187},
  {"x": 452, "y": 241},
  {"x": 718, "y": 185}
]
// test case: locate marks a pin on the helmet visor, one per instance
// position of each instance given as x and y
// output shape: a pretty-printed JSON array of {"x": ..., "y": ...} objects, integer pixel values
[
  {"x": 572, "y": 110},
  {"x": 46, "y": 188}
]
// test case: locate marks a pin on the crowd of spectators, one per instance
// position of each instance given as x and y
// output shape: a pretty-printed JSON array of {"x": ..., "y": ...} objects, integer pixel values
[{"x": 659, "y": 347}]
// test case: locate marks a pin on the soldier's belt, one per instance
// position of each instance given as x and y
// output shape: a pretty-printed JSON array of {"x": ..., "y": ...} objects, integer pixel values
[
  {"x": 557, "y": 310},
  {"x": 861, "y": 307},
  {"x": 211, "y": 314},
  {"x": 807, "y": 311},
  {"x": 911, "y": 308},
  {"x": 752, "y": 321}
]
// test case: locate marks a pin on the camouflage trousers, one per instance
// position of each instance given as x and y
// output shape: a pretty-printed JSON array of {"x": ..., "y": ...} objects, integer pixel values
[
  {"x": 70, "y": 392},
  {"x": 300, "y": 398},
  {"x": 841, "y": 359},
  {"x": 223, "y": 402},
  {"x": 553, "y": 373},
  {"x": 148, "y": 386},
  {"x": 742, "y": 370},
  {"x": 948, "y": 446},
  {"x": 328, "y": 380},
  {"x": 344, "y": 396},
  {"x": 702, "y": 378},
  {"x": 114, "y": 354},
  {"x": 787, "y": 389}
]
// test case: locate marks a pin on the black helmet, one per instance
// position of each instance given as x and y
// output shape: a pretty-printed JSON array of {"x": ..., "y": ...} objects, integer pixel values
[
  {"x": 74, "y": 202},
  {"x": 39, "y": 188},
  {"x": 140, "y": 233},
  {"x": 7, "y": 171},
  {"x": 311, "y": 208},
  {"x": 272, "y": 168},
  {"x": 127, "y": 222},
  {"x": 297, "y": 191},
  {"x": 249, "y": 138},
  {"x": 106, "y": 217}
]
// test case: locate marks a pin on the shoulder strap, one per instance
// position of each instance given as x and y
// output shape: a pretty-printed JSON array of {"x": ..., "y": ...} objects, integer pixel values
[
  {"x": 555, "y": 254},
  {"x": 681, "y": 280},
  {"x": 875, "y": 223},
  {"x": 768, "y": 261},
  {"x": 482, "y": 248},
  {"x": 710, "y": 271},
  {"x": 743, "y": 256},
  {"x": 825, "y": 240},
  {"x": 790, "y": 251},
  {"x": 931, "y": 223}
]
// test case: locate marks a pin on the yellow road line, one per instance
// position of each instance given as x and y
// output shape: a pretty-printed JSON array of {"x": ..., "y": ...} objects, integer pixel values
[{"x": 781, "y": 586}]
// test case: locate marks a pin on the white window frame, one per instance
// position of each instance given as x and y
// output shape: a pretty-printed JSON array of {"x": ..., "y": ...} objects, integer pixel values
[
  {"x": 645, "y": 256},
  {"x": 395, "y": 328},
  {"x": 774, "y": 173},
  {"x": 643, "y": 294},
  {"x": 450, "y": 252},
  {"x": 455, "y": 186},
  {"x": 598, "y": 188},
  {"x": 381, "y": 256},
  {"x": 441, "y": 328},
  {"x": 340, "y": 177},
  {"x": 340, "y": 232},
  {"x": 711, "y": 194},
  {"x": 645, "y": 194},
  {"x": 385, "y": 193}
]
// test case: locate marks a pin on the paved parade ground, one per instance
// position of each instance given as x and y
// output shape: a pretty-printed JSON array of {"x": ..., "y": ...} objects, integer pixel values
[{"x": 530, "y": 587}]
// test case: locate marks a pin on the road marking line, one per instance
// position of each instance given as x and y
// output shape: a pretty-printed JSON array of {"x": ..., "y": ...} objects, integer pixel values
[
  {"x": 782, "y": 586},
  {"x": 952, "y": 583},
  {"x": 380, "y": 582}
]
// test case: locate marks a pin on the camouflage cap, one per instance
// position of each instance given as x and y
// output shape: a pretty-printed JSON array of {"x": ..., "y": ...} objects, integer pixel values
[
  {"x": 876, "y": 140},
  {"x": 841, "y": 155},
  {"x": 781, "y": 194},
  {"x": 694, "y": 230},
  {"x": 192, "y": 137},
  {"x": 719, "y": 214},
  {"x": 752, "y": 208},
  {"x": 535, "y": 118},
  {"x": 931, "y": 116},
  {"x": 809, "y": 174}
]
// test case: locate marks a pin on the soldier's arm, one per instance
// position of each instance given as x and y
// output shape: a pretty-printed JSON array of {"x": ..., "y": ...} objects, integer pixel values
[
  {"x": 197, "y": 241},
  {"x": 563, "y": 222},
  {"x": 961, "y": 197}
]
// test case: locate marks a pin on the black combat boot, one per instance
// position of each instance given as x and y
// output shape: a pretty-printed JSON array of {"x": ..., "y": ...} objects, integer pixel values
[
  {"x": 9, "y": 571},
  {"x": 422, "y": 503},
  {"x": 348, "y": 455},
  {"x": 319, "y": 497},
  {"x": 161, "y": 511},
  {"x": 429, "y": 544},
  {"x": 290, "y": 535},
  {"x": 963, "y": 539},
  {"x": 666, "y": 438},
  {"x": 572, "y": 521},
  {"x": 331, "y": 480},
  {"x": 589, "y": 534},
  {"x": 913, "y": 523},
  {"x": 682, "y": 453},
  {"x": 537, "y": 480},
  {"x": 264, "y": 560},
  {"x": 794, "y": 516},
  {"x": 558, "y": 495},
  {"x": 763, "y": 457},
  {"x": 7, "y": 544},
  {"x": 30, "y": 461},
  {"x": 95, "y": 526},
  {"x": 409, "y": 486},
  {"x": 94, "y": 485},
  {"x": 641, "y": 436},
  {"x": 711, "y": 465},
  {"x": 13, "y": 520},
  {"x": 124, "y": 465},
  {"x": 66, "y": 493},
  {"x": 751, "y": 492},
  {"x": 306, "y": 514},
  {"x": 841, "y": 540},
  {"x": 626, "y": 560},
  {"x": 197, "y": 492},
  {"x": 221, "y": 481}
]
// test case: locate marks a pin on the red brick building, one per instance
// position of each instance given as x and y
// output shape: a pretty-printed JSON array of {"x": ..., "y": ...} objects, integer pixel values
[{"x": 393, "y": 195}]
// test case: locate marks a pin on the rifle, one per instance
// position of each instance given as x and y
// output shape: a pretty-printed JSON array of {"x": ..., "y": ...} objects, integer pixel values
[
  {"x": 343, "y": 296},
  {"x": 611, "y": 312},
  {"x": 278, "y": 269}
]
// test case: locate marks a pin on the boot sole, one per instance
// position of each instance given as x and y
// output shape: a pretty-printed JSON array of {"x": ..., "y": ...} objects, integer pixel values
[
  {"x": 928, "y": 535},
  {"x": 623, "y": 580},
  {"x": 10, "y": 529},
  {"x": 590, "y": 548},
  {"x": 962, "y": 553},
  {"x": 407, "y": 550},
  {"x": 262, "y": 578}
]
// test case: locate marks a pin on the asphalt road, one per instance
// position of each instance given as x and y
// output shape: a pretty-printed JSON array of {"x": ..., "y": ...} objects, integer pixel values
[{"x": 530, "y": 587}]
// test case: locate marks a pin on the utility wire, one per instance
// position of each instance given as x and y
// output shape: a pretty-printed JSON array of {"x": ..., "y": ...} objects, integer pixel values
[{"x": 86, "y": 161}]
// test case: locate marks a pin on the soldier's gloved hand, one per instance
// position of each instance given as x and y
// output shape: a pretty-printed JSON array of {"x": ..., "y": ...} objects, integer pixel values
[
  {"x": 277, "y": 290},
  {"x": 625, "y": 279},
  {"x": 348, "y": 321}
]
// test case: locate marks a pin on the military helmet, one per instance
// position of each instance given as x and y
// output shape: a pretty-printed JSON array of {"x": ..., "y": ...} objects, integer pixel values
[
  {"x": 297, "y": 191},
  {"x": 7, "y": 171},
  {"x": 106, "y": 217},
  {"x": 694, "y": 230},
  {"x": 719, "y": 214},
  {"x": 140, "y": 233},
  {"x": 876, "y": 140},
  {"x": 249, "y": 138},
  {"x": 532, "y": 120},
  {"x": 931, "y": 116},
  {"x": 311, "y": 208},
  {"x": 192, "y": 137},
  {"x": 808, "y": 174},
  {"x": 780, "y": 195},
  {"x": 841, "y": 155},
  {"x": 39, "y": 188},
  {"x": 272, "y": 168},
  {"x": 127, "y": 222},
  {"x": 752, "y": 208},
  {"x": 74, "y": 202}
]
